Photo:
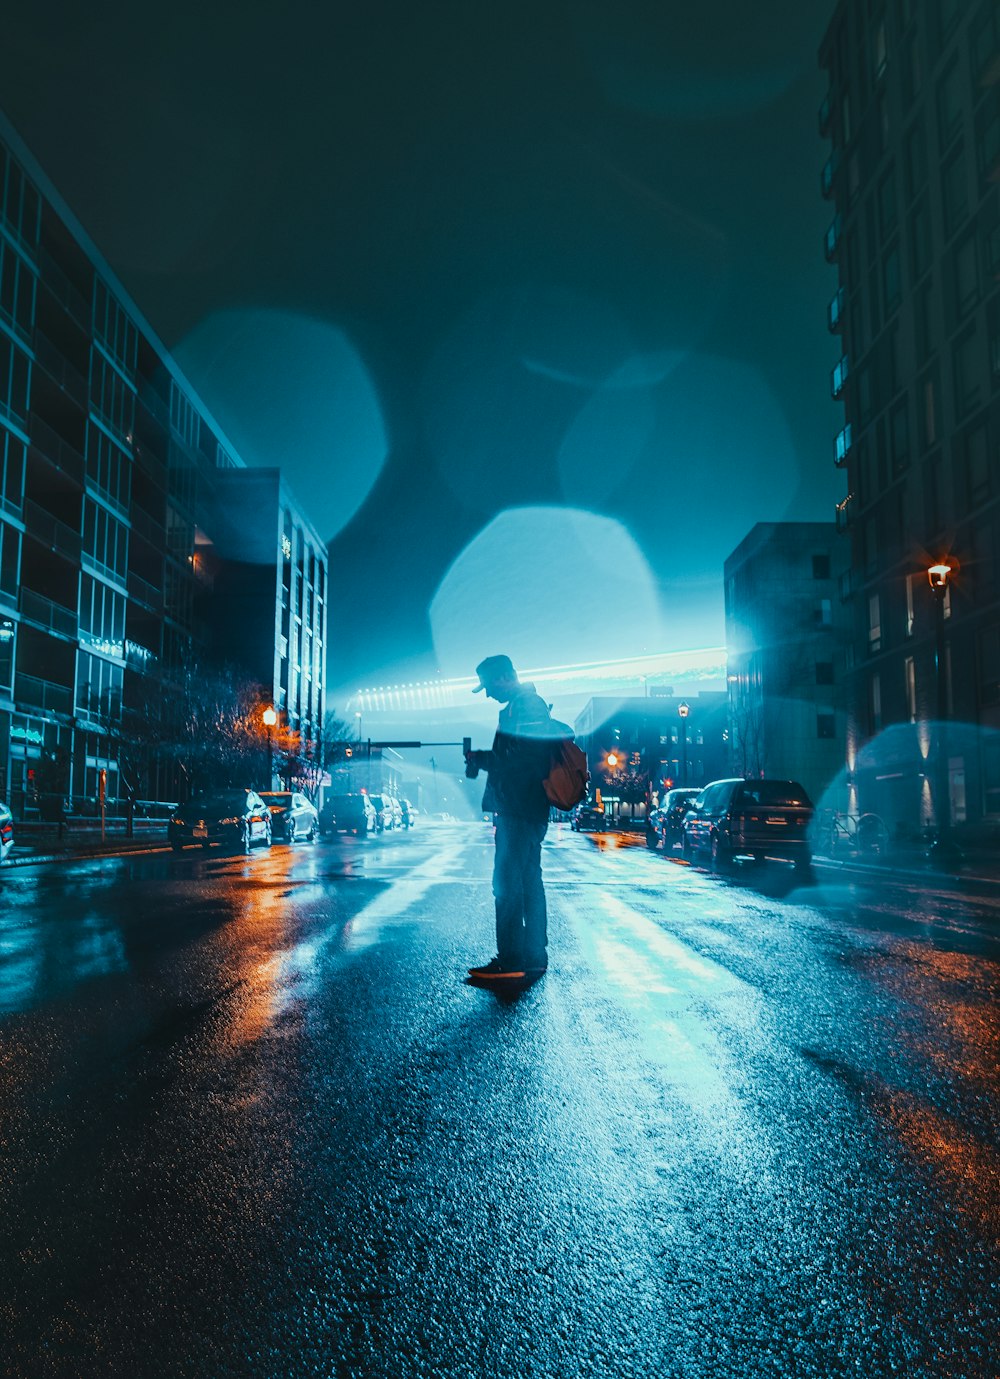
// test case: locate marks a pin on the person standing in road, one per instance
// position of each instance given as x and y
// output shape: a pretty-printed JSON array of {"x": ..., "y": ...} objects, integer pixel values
[{"x": 517, "y": 764}]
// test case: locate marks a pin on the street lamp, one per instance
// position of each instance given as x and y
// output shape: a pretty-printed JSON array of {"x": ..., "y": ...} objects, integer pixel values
[
  {"x": 270, "y": 717},
  {"x": 683, "y": 709},
  {"x": 943, "y": 849}
]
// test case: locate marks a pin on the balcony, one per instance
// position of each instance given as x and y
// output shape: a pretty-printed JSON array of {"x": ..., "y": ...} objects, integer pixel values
[
  {"x": 845, "y": 585},
  {"x": 43, "y": 613},
  {"x": 838, "y": 377},
  {"x": 835, "y": 312},
  {"x": 48, "y": 530},
  {"x": 32, "y": 694},
  {"x": 842, "y": 446},
  {"x": 59, "y": 369},
  {"x": 59, "y": 453},
  {"x": 58, "y": 284},
  {"x": 145, "y": 593},
  {"x": 831, "y": 240}
]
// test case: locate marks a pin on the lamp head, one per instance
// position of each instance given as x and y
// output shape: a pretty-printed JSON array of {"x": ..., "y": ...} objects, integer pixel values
[
  {"x": 270, "y": 717},
  {"x": 683, "y": 708},
  {"x": 938, "y": 576}
]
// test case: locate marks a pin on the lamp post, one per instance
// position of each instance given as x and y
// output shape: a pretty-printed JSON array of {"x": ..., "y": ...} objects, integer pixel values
[
  {"x": 683, "y": 709},
  {"x": 943, "y": 848},
  {"x": 270, "y": 718}
]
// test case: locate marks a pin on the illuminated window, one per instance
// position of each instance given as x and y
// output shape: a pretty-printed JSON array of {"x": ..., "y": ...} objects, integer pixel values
[
  {"x": 910, "y": 681},
  {"x": 874, "y": 623}
]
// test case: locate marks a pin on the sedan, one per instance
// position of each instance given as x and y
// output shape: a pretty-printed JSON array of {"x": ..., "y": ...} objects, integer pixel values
[
  {"x": 749, "y": 818},
  {"x": 587, "y": 818},
  {"x": 666, "y": 822},
  {"x": 6, "y": 830},
  {"x": 235, "y": 818},
  {"x": 292, "y": 816}
]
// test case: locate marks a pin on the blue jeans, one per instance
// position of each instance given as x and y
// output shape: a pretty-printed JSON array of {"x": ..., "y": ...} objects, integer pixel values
[{"x": 522, "y": 923}]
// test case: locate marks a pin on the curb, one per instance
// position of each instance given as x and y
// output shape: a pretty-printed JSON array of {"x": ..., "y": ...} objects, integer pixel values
[
  {"x": 865, "y": 871},
  {"x": 37, "y": 859}
]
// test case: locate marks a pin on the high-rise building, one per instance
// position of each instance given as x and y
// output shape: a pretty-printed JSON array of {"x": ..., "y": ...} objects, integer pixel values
[
  {"x": 913, "y": 180},
  {"x": 785, "y": 652},
  {"x": 113, "y": 474}
]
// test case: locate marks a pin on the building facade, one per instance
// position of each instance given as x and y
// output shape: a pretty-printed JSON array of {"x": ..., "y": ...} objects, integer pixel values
[
  {"x": 655, "y": 741},
  {"x": 785, "y": 635},
  {"x": 913, "y": 178},
  {"x": 112, "y": 475}
]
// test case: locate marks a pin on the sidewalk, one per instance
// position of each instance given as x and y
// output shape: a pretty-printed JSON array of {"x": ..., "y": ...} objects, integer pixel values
[
  {"x": 974, "y": 869},
  {"x": 37, "y": 842}
]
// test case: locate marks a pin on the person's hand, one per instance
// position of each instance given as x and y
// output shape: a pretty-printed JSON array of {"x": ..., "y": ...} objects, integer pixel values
[{"x": 472, "y": 764}]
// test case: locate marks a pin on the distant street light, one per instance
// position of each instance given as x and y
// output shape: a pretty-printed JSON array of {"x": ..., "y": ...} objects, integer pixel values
[
  {"x": 612, "y": 760},
  {"x": 683, "y": 709},
  {"x": 943, "y": 848},
  {"x": 270, "y": 717}
]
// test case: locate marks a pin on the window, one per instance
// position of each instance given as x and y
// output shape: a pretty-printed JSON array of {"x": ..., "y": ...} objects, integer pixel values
[
  {"x": 821, "y": 566},
  {"x": 921, "y": 248},
  {"x": 14, "y": 377},
  {"x": 102, "y": 617},
  {"x": 870, "y": 545},
  {"x": 113, "y": 329},
  {"x": 977, "y": 467},
  {"x": 966, "y": 277},
  {"x": 908, "y": 626},
  {"x": 825, "y": 725},
  {"x": 823, "y": 613},
  {"x": 875, "y": 703},
  {"x": 929, "y": 409},
  {"x": 899, "y": 434},
  {"x": 17, "y": 290},
  {"x": 10, "y": 563},
  {"x": 109, "y": 468},
  {"x": 19, "y": 202},
  {"x": 824, "y": 672},
  {"x": 989, "y": 678},
  {"x": 12, "y": 456},
  {"x": 993, "y": 329},
  {"x": 874, "y": 623},
  {"x": 949, "y": 104},
  {"x": 955, "y": 192},
  {"x": 910, "y": 688},
  {"x": 923, "y": 322},
  {"x": 966, "y": 363},
  {"x": 887, "y": 215},
  {"x": 99, "y": 687},
  {"x": 112, "y": 398},
  {"x": 915, "y": 160},
  {"x": 890, "y": 280},
  {"x": 988, "y": 135},
  {"x": 183, "y": 417},
  {"x": 932, "y": 494},
  {"x": 105, "y": 540},
  {"x": 8, "y": 636},
  {"x": 838, "y": 376},
  {"x": 879, "y": 51}
]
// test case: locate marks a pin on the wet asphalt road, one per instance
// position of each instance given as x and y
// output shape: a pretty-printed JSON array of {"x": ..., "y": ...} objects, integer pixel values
[{"x": 253, "y": 1122}]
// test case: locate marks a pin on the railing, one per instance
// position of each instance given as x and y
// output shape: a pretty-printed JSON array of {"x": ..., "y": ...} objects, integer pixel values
[
  {"x": 37, "y": 609},
  {"x": 50, "y": 531},
  {"x": 42, "y": 694},
  {"x": 844, "y": 514},
  {"x": 146, "y": 526},
  {"x": 838, "y": 376},
  {"x": 825, "y": 114},
  {"x": 56, "y": 450},
  {"x": 842, "y": 446},
  {"x": 835, "y": 311},
  {"x": 831, "y": 239},
  {"x": 829, "y": 173},
  {"x": 59, "y": 368},
  {"x": 56, "y": 281},
  {"x": 145, "y": 593}
]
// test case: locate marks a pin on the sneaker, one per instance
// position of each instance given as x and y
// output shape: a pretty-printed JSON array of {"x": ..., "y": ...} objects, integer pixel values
[{"x": 495, "y": 968}]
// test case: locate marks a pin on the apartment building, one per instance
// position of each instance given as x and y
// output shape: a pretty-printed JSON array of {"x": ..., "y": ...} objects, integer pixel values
[
  {"x": 113, "y": 473},
  {"x": 785, "y": 645},
  {"x": 913, "y": 179}
]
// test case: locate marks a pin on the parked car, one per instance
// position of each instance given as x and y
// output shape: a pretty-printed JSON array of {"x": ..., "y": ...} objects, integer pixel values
[
  {"x": 6, "y": 830},
  {"x": 396, "y": 809},
  {"x": 664, "y": 823},
  {"x": 749, "y": 818},
  {"x": 384, "y": 816},
  {"x": 347, "y": 814},
  {"x": 587, "y": 818},
  {"x": 409, "y": 813},
  {"x": 234, "y": 817},
  {"x": 292, "y": 815}
]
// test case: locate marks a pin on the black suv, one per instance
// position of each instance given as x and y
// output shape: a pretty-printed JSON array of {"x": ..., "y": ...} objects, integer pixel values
[{"x": 750, "y": 818}]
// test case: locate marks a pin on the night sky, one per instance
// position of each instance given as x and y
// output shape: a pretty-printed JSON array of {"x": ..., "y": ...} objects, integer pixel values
[{"x": 528, "y": 301}]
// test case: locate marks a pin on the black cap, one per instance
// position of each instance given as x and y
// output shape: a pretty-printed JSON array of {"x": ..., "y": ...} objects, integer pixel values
[{"x": 492, "y": 669}]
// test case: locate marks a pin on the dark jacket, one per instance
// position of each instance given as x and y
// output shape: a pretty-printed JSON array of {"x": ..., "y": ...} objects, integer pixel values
[{"x": 521, "y": 756}]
